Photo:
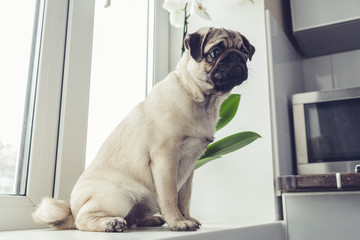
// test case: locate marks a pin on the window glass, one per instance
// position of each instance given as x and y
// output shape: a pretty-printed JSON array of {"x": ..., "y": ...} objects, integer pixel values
[
  {"x": 118, "y": 74},
  {"x": 17, "y": 48}
]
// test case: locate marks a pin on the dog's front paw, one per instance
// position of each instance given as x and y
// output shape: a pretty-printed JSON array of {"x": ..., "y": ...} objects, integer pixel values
[
  {"x": 116, "y": 225},
  {"x": 194, "y": 220},
  {"x": 184, "y": 225}
]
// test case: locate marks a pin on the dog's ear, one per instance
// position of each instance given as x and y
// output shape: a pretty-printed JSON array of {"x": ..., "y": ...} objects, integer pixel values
[
  {"x": 248, "y": 46},
  {"x": 195, "y": 43}
]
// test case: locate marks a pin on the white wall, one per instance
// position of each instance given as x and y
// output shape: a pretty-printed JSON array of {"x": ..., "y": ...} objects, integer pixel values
[
  {"x": 286, "y": 79},
  {"x": 238, "y": 187}
]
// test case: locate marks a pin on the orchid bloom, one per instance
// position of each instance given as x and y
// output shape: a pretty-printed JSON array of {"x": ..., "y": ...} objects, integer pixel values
[
  {"x": 179, "y": 15},
  {"x": 242, "y": 2},
  {"x": 176, "y": 9},
  {"x": 108, "y": 3},
  {"x": 199, "y": 9}
]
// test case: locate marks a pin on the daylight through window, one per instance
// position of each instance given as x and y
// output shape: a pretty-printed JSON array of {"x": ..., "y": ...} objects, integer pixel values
[
  {"x": 118, "y": 72},
  {"x": 18, "y": 48}
]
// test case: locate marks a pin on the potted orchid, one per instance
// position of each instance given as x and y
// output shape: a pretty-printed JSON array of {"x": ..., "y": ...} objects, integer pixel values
[{"x": 179, "y": 14}]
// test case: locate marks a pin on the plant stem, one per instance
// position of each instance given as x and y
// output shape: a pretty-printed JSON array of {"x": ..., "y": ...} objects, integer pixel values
[{"x": 185, "y": 29}]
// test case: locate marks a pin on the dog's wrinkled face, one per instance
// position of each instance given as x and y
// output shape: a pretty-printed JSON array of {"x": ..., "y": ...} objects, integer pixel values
[{"x": 223, "y": 54}]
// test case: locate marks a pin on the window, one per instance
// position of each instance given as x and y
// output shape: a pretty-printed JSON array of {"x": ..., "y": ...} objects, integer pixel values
[
  {"x": 129, "y": 55},
  {"x": 16, "y": 91},
  {"x": 51, "y": 139},
  {"x": 46, "y": 87},
  {"x": 118, "y": 73}
]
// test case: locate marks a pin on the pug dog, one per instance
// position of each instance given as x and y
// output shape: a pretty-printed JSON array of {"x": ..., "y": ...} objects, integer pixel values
[{"x": 146, "y": 165}]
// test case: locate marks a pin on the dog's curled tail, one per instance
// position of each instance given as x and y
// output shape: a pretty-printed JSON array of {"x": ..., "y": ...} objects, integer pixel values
[{"x": 55, "y": 213}]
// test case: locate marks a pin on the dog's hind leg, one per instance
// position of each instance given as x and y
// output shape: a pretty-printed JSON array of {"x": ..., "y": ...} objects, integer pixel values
[
  {"x": 92, "y": 222},
  {"x": 96, "y": 218}
]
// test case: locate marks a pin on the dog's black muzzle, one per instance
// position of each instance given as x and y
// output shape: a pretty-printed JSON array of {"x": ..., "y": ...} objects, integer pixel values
[{"x": 229, "y": 71}]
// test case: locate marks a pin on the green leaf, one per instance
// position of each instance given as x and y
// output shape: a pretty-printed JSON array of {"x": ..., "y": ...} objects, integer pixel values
[
  {"x": 226, "y": 145},
  {"x": 203, "y": 161},
  {"x": 228, "y": 110}
]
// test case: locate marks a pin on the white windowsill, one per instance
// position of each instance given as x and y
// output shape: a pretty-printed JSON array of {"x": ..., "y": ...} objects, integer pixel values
[{"x": 209, "y": 231}]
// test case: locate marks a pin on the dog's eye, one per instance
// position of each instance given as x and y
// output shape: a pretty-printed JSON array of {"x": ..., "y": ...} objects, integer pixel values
[
  {"x": 215, "y": 53},
  {"x": 245, "y": 52}
]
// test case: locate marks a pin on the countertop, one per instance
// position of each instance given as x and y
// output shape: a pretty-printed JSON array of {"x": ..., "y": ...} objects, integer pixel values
[{"x": 319, "y": 182}]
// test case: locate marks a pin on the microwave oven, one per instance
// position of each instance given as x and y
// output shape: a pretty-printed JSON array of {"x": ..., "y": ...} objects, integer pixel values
[{"x": 327, "y": 131}]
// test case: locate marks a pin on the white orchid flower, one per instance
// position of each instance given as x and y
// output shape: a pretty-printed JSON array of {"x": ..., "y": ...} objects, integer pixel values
[
  {"x": 243, "y": 2},
  {"x": 108, "y": 3},
  {"x": 176, "y": 9},
  {"x": 199, "y": 9}
]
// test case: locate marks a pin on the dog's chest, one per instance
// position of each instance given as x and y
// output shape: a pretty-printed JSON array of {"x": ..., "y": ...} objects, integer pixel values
[{"x": 190, "y": 150}]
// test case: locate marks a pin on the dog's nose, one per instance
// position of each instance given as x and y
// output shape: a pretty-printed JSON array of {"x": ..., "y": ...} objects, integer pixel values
[
  {"x": 234, "y": 57},
  {"x": 231, "y": 59},
  {"x": 236, "y": 72}
]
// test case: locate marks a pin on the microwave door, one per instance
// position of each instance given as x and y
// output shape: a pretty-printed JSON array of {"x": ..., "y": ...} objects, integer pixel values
[{"x": 333, "y": 131}]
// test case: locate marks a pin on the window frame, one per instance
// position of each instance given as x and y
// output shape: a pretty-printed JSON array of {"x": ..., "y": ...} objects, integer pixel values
[
  {"x": 58, "y": 144},
  {"x": 75, "y": 97},
  {"x": 56, "y": 60},
  {"x": 158, "y": 44}
]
